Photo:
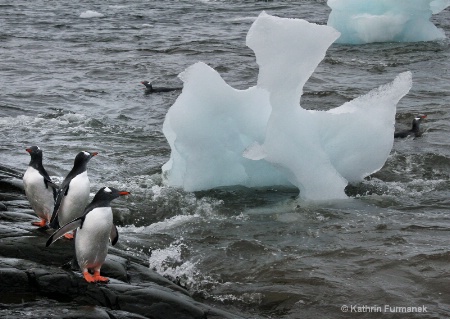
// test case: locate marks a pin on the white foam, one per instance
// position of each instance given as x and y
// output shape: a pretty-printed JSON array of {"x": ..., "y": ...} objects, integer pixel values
[
  {"x": 91, "y": 14},
  {"x": 161, "y": 227},
  {"x": 39, "y": 123},
  {"x": 169, "y": 262},
  {"x": 415, "y": 188},
  {"x": 242, "y": 19},
  {"x": 119, "y": 6},
  {"x": 254, "y": 298}
]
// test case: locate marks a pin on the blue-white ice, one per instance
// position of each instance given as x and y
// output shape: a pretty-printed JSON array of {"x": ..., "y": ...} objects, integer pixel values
[
  {"x": 367, "y": 21},
  {"x": 437, "y": 6},
  {"x": 220, "y": 136}
]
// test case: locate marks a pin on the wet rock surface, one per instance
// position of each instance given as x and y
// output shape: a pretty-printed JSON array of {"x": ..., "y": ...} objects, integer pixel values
[{"x": 44, "y": 282}]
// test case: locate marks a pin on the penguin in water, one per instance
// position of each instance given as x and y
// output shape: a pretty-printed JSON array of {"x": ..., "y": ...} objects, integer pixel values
[
  {"x": 149, "y": 89},
  {"x": 94, "y": 228},
  {"x": 39, "y": 188},
  {"x": 73, "y": 196},
  {"x": 414, "y": 131}
]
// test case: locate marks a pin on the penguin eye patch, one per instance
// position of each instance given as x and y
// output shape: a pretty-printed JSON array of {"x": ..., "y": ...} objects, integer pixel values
[
  {"x": 107, "y": 189},
  {"x": 86, "y": 153}
]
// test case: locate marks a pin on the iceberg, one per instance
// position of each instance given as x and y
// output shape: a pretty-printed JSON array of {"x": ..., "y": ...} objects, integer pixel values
[
  {"x": 367, "y": 21},
  {"x": 261, "y": 136},
  {"x": 437, "y": 6}
]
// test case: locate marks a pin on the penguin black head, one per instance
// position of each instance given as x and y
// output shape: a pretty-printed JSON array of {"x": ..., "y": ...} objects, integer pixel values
[
  {"x": 83, "y": 158},
  {"x": 107, "y": 194},
  {"x": 148, "y": 87},
  {"x": 416, "y": 122},
  {"x": 147, "y": 84},
  {"x": 35, "y": 153}
]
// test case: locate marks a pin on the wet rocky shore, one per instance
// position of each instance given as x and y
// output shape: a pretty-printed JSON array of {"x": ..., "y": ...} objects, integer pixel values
[{"x": 43, "y": 282}]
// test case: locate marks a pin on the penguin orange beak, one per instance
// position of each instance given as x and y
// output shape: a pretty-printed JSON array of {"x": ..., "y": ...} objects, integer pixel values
[
  {"x": 28, "y": 150},
  {"x": 94, "y": 154},
  {"x": 122, "y": 193},
  {"x": 423, "y": 116}
]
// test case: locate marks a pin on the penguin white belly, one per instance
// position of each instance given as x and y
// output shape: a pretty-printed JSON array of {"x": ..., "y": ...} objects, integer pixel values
[
  {"x": 76, "y": 200},
  {"x": 91, "y": 240},
  {"x": 40, "y": 198}
]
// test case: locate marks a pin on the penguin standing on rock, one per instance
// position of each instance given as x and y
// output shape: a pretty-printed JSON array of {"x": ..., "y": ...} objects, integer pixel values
[
  {"x": 73, "y": 195},
  {"x": 39, "y": 188},
  {"x": 414, "y": 131},
  {"x": 94, "y": 228}
]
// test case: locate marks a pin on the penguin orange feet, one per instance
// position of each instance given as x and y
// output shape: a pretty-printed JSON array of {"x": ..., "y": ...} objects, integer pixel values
[
  {"x": 68, "y": 236},
  {"x": 88, "y": 277},
  {"x": 94, "y": 278},
  {"x": 97, "y": 277},
  {"x": 41, "y": 223}
]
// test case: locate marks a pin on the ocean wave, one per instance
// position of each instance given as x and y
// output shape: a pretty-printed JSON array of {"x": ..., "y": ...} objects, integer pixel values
[{"x": 159, "y": 227}]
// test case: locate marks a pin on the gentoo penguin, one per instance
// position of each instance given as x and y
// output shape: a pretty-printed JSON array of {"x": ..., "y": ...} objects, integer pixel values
[
  {"x": 414, "y": 131},
  {"x": 94, "y": 228},
  {"x": 73, "y": 196},
  {"x": 39, "y": 189},
  {"x": 149, "y": 89}
]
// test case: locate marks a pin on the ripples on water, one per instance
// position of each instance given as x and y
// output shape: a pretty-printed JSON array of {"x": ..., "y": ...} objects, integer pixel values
[{"x": 70, "y": 84}]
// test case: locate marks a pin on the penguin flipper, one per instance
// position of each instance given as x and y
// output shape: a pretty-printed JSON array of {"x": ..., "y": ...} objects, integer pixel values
[
  {"x": 55, "y": 223},
  {"x": 59, "y": 197},
  {"x": 55, "y": 188},
  {"x": 114, "y": 235},
  {"x": 74, "y": 224},
  {"x": 48, "y": 182}
]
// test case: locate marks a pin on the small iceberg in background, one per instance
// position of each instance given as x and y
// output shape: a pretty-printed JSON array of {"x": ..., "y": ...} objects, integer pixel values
[
  {"x": 439, "y": 5},
  {"x": 367, "y": 21},
  {"x": 91, "y": 14},
  {"x": 221, "y": 136}
]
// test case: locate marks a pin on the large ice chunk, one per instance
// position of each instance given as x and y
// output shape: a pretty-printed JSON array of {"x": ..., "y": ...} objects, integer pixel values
[
  {"x": 220, "y": 136},
  {"x": 366, "y": 21},
  {"x": 209, "y": 126}
]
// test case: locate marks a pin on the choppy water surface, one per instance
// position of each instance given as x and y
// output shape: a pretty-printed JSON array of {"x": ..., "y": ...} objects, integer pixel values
[{"x": 71, "y": 84}]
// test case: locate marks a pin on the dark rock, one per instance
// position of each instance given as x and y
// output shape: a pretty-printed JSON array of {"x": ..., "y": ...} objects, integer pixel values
[
  {"x": 14, "y": 285},
  {"x": 156, "y": 302},
  {"x": 142, "y": 275},
  {"x": 9, "y": 172},
  {"x": 11, "y": 186},
  {"x": 45, "y": 308},
  {"x": 6, "y": 197},
  {"x": 24, "y": 280},
  {"x": 33, "y": 247},
  {"x": 15, "y": 217},
  {"x": 116, "y": 267}
]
